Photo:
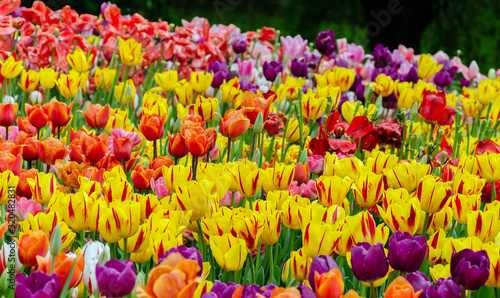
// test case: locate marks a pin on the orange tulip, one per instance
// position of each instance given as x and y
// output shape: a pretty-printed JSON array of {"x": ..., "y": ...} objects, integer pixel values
[
  {"x": 329, "y": 284},
  {"x": 28, "y": 143},
  {"x": 400, "y": 288},
  {"x": 141, "y": 177},
  {"x": 198, "y": 140},
  {"x": 62, "y": 268},
  {"x": 97, "y": 116},
  {"x": 23, "y": 124},
  {"x": 95, "y": 148},
  {"x": 23, "y": 189},
  {"x": 59, "y": 112},
  {"x": 50, "y": 150},
  {"x": 253, "y": 104},
  {"x": 157, "y": 164},
  {"x": 32, "y": 245},
  {"x": 151, "y": 126},
  {"x": 177, "y": 146},
  {"x": 8, "y": 113},
  {"x": 37, "y": 115},
  {"x": 9, "y": 161},
  {"x": 234, "y": 124}
]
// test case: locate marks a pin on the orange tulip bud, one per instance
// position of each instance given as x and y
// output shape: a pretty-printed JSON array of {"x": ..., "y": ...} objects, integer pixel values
[
  {"x": 97, "y": 116},
  {"x": 151, "y": 126}
]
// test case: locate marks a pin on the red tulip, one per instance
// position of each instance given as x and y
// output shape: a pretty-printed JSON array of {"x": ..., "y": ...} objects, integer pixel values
[
  {"x": 151, "y": 126},
  {"x": 59, "y": 112},
  {"x": 177, "y": 146},
  {"x": 122, "y": 148},
  {"x": 50, "y": 150},
  {"x": 97, "y": 116},
  {"x": 37, "y": 115},
  {"x": 141, "y": 177},
  {"x": 96, "y": 147},
  {"x": 434, "y": 109},
  {"x": 8, "y": 113},
  {"x": 198, "y": 140}
]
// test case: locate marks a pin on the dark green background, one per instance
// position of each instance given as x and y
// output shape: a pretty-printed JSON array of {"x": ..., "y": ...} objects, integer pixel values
[{"x": 471, "y": 26}]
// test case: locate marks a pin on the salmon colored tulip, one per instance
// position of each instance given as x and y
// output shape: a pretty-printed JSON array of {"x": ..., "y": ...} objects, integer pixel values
[
  {"x": 62, "y": 268},
  {"x": 329, "y": 284},
  {"x": 400, "y": 288},
  {"x": 234, "y": 124},
  {"x": 50, "y": 150},
  {"x": 97, "y": 116},
  {"x": 151, "y": 126},
  {"x": 32, "y": 245}
]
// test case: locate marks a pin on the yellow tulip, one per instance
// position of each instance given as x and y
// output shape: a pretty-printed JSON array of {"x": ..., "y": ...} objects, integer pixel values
[
  {"x": 8, "y": 184},
  {"x": 318, "y": 239},
  {"x": 283, "y": 175},
  {"x": 298, "y": 266},
  {"x": 384, "y": 85},
  {"x": 332, "y": 190},
  {"x": 130, "y": 51},
  {"x": 433, "y": 194},
  {"x": 313, "y": 107},
  {"x": 191, "y": 196},
  {"x": 293, "y": 131},
  {"x": 120, "y": 92},
  {"x": 271, "y": 227},
  {"x": 229, "y": 252},
  {"x": 11, "y": 68},
  {"x": 167, "y": 80},
  {"x": 103, "y": 78},
  {"x": 463, "y": 205},
  {"x": 68, "y": 84},
  {"x": 368, "y": 189},
  {"x": 153, "y": 103},
  {"x": 427, "y": 67},
  {"x": 176, "y": 175},
  {"x": 489, "y": 166},
  {"x": 42, "y": 187},
  {"x": 201, "y": 81},
  {"x": 29, "y": 80},
  {"x": 119, "y": 220},
  {"x": 483, "y": 225},
  {"x": 79, "y": 61},
  {"x": 206, "y": 107},
  {"x": 349, "y": 107},
  {"x": 47, "y": 77},
  {"x": 78, "y": 210},
  {"x": 184, "y": 92}
]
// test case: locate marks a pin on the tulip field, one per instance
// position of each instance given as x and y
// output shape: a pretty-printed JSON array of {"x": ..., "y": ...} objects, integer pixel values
[{"x": 146, "y": 159}]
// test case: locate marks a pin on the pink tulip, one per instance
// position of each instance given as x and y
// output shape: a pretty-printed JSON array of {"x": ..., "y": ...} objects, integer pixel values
[
  {"x": 293, "y": 47},
  {"x": 226, "y": 200},
  {"x": 306, "y": 190},
  {"x": 26, "y": 206},
  {"x": 315, "y": 164},
  {"x": 159, "y": 188}
]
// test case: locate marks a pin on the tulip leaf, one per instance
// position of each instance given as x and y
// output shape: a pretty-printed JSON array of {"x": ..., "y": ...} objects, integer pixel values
[
  {"x": 485, "y": 291},
  {"x": 260, "y": 276},
  {"x": 65, "y": 289}
]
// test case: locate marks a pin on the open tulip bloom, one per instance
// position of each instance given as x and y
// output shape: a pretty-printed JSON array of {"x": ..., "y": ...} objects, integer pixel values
[{"x": 142, "y": 159}]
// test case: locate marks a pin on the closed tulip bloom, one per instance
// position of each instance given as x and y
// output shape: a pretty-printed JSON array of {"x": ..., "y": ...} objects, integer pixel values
[
  {"x": 319, "y": 265},
  {"x": 177, "y": 146},
  {"x": 31, "y": 245},
  {"x": 325, "y": 44},
  {"x": 271, "y": 227},
  {"x": 80, "y": 207},
  {"x": 97, "y": 116},
  {"x": 313, "y": 107},
  {"x": 153, "y": 103},
  {"x": 400, "y": 287},
  {"x": 494, "y": 279},
  {"x": 406, "y": 175},
  {"x": 384, "y": 85},
  {"x": 201, "y": 81},
  {"x": 68, "y": 84},
  {"x": 11, "y": 68},
  {"x": 120, "y": 220},
  {"x": 206, "y": 107},
  {"x": 141, "y": 177},
  {"x": 427, "y": 67},
  {"x": 103, "y": 78},
  {"x": 293, "y": 131},
  {"x": 298, "y": 265},
  {"x": 7, "y": 180},
  {"x": 369, "y": 262},
  {"x": 184, "y": 92},
  {"x": 329, "y": 284},
  {"x": 152, "y": 126},
  {"x": 467, "y": 184},
  {"x": 167, "y": 80},
  {"x": 283, "y": 175},
  {"x": 130, "y": 51},
  {"x": 95, "y": 147},
  {"x": 349, "y": 107},
  {"x": 433, "y": 194},
  {"x": 434, "y": 109},
  {"x": 42, "y": 187},
  {"x": 444, "y": 288},
  {"x": 229, "y": 252},
  {"x": 59, "y": 112},
  {"x": 122, "y": 148},
  {"x": 37, "y": 115},
  {"x": 117, "y": 189},
  {"x": 234, "y": 124},
  {"x": 470, "y": 269},
  {"x": 483, "y": 224},
  {"x": 463, "y": 205},
  {"x": 405, "y": 94},
  {"x": 489, "y": 166},
  {"x": 249, "y": 229},
  {"x": 78, "y": 60},
  {"x": 332, "y": 190},
  {"x": 192, "y": 196},
  {"x": 8, "y": 113},
  {"x": 249, "y": 179},
  {"x": 318, "y": 239},
  {"x": 176, "y": 175},
  {"x": 37, "y": 284},
  {"x": 198, "y": 140},
  {"x": 362, "y": 228},
  {"x": 231, "y": 92},
  {"x": 254, "y": 104},
  {"x": 115, "y": 278},
  {"x": 124, "y": 92},
  {"x": 29, "y": 80},
  {"x": 368, "y": 189},
  {"x": 48, "y": 76},
  {"x": 406, "y": 253}
]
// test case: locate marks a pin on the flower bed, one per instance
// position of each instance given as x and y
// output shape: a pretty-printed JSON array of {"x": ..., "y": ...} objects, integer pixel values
[{"x": 151, "y": 160}]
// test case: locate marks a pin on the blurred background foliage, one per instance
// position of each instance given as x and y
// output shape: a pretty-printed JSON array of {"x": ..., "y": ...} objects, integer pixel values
[{"x": 468, "y": 27}]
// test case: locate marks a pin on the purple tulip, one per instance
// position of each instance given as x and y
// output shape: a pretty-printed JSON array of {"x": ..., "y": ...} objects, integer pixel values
[
  {"x": 320, "y": 264},
  {"x": 115, "y": 278},
  {"x": 407, "y": 253},
  {"x": 464, "y": 82},
  {"x": 470, "y": 269},
  {"x": 299, "y": 68},
  {"x": 246, "y": 85},
  {"x": 445, "y": 288},
  {"x": 360, "y": 93},
  {"x": 37, "y": 285},
  {"x": 305, "y": 291},
  {"x": 18, "y": 13},
  {"x": 369, "y": 262},
  {"x": 419, "y": 281},
  {"x": 271, "y": 70},
  {"x": 221, "y": 290},
  {"x": 239, "y": 43},
  {"x": 312, "y": 59},
  {"x": 412, "y": 75},
  {"x": 325, "y": 42},
  {"x": 220, "y": 71},
  {"x": 381, "y": 55},
  {"x": 187, "y": 253}
]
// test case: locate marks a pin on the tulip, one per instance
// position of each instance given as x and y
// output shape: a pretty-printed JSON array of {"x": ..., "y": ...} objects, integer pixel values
[
  {"x": 37, "y": 284},
  {"x": 405, "y": 94},
  {"x": 151, "y": 126},
  {"x": 124, "y": 92},
  {"x": 11, "y": 68},
  {"x": 406, "y": 175},
  {"x": 59, "y": 112},
  {"x": 24, "y": 125},
  {"x": 173, "y": 268},
  {"x": 293, "y": 131},
  {"x": 122, "y": 148},
  {"x": 419, "y": 282},
  {"x": 434, "y": 109},
  {"x": 8, "y": 114},
  {"x": 103, "y": 78},
  {"x": 184, "y": 92},
  {"x": 329, "y": 284},
  {"x": 313, "y": 107},
  {"x": 427, "y": 68},
  {"x": 325, "y": 43},
  {"x": 120, "y": 220},
  {"x": 470, "y": 269},
  {"x": 117, "y": 188},
  {"x": 229, "y": 252},
  {"x": 318, "y": 239},
  {"x": 68, "y": 84},
  {"x": 320, "y": 265},
  {"x": 494, "y": 279},
  {"x": 369, "y": 262},
  {"x": 402, "y": 216},
  {"x": 42, "y": 187},
  {"x": 26, "y": 206},
  {"x": 444, "y": 288},
  {"x": 130, "y": 51},
  {"x": 32, "y": 245},
  {"x": 384, "y": 85},
  {"x": 188, "y": 253},
  {"x": 463, "y": 205},
  {"x": 198, "y": 140},
  {"x": 489, "y": 167},
  {"x": 29, "y": 80},
  {"x": 141, "y": 177},
  {"x": 332, "y": 190},
  {"x": 283, "y": 175},
  {"x": 192, "y": 196},
  {"x": 48, "y": 76},
  {"x": 206, "y": 107},
  {"x": 349, "y": 107},
  {"x": 176, "y": 176},
  {"x": 97, "y": 116},
  {"x": 249, "y": 229},
  {"x": 400, "y": 287},
  {"x": 249, "y": 179},
  {"x": 80, "y": 207},
  {"x": 62, "y": 267},
  {"x": 406, "y": 253},
  {"x": 368, "y": 189},
  {"x": 23, "y": 188},
  {"x": 271, "y": 228},
  {"x": 298, "y": 265},
  {"x": 37, "y": 115},
  {"x": 167, "y": 80},
  {"x": 115, "y": 278},
  {"x": 95, "y": 147},
  {"x": 483, "y": 225},
  {"x": 234, "y": 124},
  {"x": 467, "y": 184},
  {"x": 433, "y": 194},
  {"x": 7, "y": 180},
  {"x": 271, "y": 70},
  {"x": 201, "y": 81}
]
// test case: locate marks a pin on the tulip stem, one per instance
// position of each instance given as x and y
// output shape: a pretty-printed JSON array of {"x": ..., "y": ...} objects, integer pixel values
[
  {"x": 229, "y": 149},
  {"x": 6, "y": 134},
  {"x": 292, "y": 239},
  {"x": 424, "y": 231},
  {"x": 257, "y": 261},
  {"x": 155, "y": 149},
  {"x": 374, "y": 293},
  {"x": 194, "y": 167},
  {"x": 493, "y": 192},
  {"x": 271, "y": 267},
  {"x": 201, "y": 240},
  {"x": 463, "y": 293},
  {"x": 125, "y": 251}
]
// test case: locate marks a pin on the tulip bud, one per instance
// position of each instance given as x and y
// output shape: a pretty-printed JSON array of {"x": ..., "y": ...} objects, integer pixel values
[
  {"x": 492, "y": 74},
  {"x": 55, "y": 242},
  {"x": 177, "y": 126},
  {"x": 256, "y": 156},
  {"x": 259, "y": 123},
  {"x": 36, "y": 98},
  {"x": 140, "y": 279},
  {"x": 302, "y": 157},
  {"x": 368, "y": 93},
  {"x": 78, "y": 97},
  {"x": 128, "y": 93},
  {"x": 104, "y": 257},
  {"x": 4, "y": 282},
  {"x": 8, "y": 99}
]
